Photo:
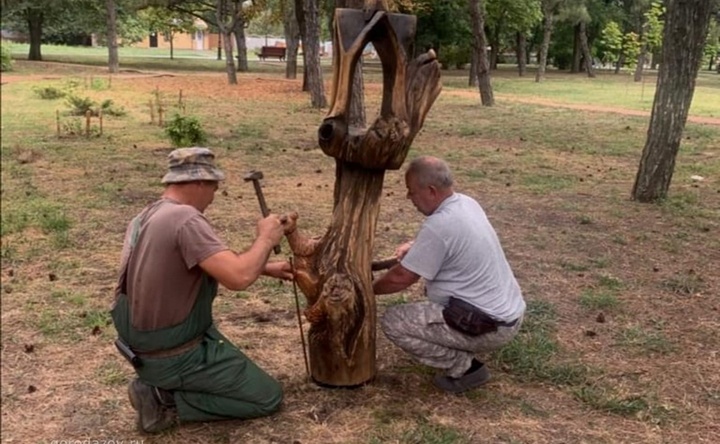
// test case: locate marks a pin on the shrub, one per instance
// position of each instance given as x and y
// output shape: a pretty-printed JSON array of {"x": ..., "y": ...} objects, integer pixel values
[
  {"x": 5, "y": 57},
  {"x": 49, "y": 92},
  {"x": 109, "y": 108},
  {"x": 79, "y": 106},
  {"x": 185, "y": 131}
]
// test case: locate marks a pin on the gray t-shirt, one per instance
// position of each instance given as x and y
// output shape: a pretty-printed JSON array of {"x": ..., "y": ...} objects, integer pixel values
[{"x": 459, "y": 254}]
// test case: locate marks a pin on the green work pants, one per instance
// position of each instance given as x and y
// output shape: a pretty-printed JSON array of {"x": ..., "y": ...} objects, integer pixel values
[{"x": 214, "y": 381}]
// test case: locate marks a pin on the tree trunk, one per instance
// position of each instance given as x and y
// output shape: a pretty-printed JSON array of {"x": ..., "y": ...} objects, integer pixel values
[
  {"x": 639, "y": 68},
  {"x": 334, "y": 272},
  {"x": 302, "y": 26},
  {"x": 686, "y": 26},
  {"x": 577, "y": 51},
  {"x": 311, "y": 48},
  {"x": 495, "y": 47},
  {"x": 520, "y": 48},
  {"x": 586, "y": 50},
  {"x": 547, "y": 33},
  {"x": 229, "y": 62},
  {"x": 112, "y": 40},
  {"x": 35, "y": 20},
  {"x": 219, "y": 47},
  {"x": 171, "y": 38},
  {"x": 241, "y": 44},
  {"x": 473, "y": 77},
  {"x": 292, "y": 39},
  {"x": 222, "y": 12},
  {"x": 620, "y": 63},
  {"x": 480, "y": 46},
  {"x": 642, "y": 56},
  {"x": 656, "y": 57}
]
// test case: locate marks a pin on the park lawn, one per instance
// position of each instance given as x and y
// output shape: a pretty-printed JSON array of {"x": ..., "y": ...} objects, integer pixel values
[{"x": 617, "y": 344}]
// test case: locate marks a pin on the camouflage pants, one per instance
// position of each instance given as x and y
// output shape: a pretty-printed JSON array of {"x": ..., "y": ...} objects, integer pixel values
[{"x": 420, "y": 330}]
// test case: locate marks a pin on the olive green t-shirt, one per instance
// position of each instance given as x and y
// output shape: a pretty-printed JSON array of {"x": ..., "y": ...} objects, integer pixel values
[{"x": 163, "y": 275}]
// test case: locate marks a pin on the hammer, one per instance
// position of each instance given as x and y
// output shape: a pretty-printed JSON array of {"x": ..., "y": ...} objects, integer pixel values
[{"x": 255, "y": 177}]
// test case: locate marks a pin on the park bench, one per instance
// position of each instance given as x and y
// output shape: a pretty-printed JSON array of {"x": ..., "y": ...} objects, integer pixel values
[{"x": 271, "y": 51}]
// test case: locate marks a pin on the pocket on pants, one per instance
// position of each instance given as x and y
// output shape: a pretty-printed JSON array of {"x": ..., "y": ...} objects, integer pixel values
[{"x": 433, "y": 313}]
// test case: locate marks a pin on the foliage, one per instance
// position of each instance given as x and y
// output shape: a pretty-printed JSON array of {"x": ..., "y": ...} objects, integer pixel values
[
  {"x": 6, "y": 61},
  {"x": 109, "y": 108},
  {"x": 49, "y": 92},
  {"x": 631, "y": 48},
  {"x": 455, "y": 56},
  {"x": 185, "y": 131},
  {"x": 167, "y": 22},
  {"x": 79, "y": 106},
  {"x": 506, "y": 18},
  {"x": 712, "y": 43},
  {"x": 612, "y": 42},
  {"x": 654, "y": 25}
]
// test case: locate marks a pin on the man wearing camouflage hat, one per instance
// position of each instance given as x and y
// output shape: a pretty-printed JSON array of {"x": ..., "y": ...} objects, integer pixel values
[{"x": 172, "y": 262}]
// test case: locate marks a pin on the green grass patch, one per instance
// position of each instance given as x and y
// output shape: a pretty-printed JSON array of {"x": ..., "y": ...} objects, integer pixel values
[
  {"x": 532, "y": 355},
  {"x": 646, "y": 341},
  {"x": 634, "y": 406},
  {"x": 593, "y": 299},
  {"x": 422, "y": 431},
  {"x": 545, "y": 183}
]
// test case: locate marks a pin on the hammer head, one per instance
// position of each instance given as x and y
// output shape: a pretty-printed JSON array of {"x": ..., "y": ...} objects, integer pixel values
[{"x": 253, "y": 175}]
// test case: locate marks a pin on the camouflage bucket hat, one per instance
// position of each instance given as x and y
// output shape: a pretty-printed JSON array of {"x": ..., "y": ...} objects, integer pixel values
[{"x": 192, "y": 164}]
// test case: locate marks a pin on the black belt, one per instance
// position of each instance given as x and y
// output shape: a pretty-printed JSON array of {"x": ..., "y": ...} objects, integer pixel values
[{"x": 507, "y": 324}]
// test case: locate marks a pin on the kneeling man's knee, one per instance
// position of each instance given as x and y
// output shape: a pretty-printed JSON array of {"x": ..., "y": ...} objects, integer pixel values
[{"x": 273, "y": 399}]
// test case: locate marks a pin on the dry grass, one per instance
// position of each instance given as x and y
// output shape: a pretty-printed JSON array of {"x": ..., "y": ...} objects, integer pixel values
[{"x": 554, "y": 181}]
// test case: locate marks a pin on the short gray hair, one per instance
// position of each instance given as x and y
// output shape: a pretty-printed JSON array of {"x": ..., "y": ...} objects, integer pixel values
[{"x": 431, "y": 171}]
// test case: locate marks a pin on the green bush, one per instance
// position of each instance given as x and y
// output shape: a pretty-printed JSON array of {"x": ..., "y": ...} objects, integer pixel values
[
  {"x": 455, "y": 56},
  {"x": 109, "y": 108},
  {"x": 185, "y": 131},
  {"x": 5, "y": 57},
  {"x": 79, "y": 106},
  {"x": 49, "y": 92}
]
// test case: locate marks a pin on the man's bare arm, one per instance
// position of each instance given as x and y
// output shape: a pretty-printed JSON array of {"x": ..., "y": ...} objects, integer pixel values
[{"x": 396, "y": 279}]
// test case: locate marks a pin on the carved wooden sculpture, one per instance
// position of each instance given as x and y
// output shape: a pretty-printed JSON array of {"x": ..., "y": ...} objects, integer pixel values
[{"x": 334, "y": 271}]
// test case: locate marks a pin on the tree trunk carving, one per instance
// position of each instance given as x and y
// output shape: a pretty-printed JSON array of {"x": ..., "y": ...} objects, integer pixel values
[{"x": 333, "y": 271}]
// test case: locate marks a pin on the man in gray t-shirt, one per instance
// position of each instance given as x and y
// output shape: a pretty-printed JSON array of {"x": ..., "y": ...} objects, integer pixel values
[{"x": 459, "y": 255}]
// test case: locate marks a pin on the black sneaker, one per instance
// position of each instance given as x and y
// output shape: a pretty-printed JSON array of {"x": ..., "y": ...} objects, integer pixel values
[
  {"x": 153, "y": 417},
  {"x": 466, "y": 382}
]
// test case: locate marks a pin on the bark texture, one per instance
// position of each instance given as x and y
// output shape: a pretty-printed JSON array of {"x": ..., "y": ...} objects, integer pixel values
[
  {"x": 577, "y": 52},
  {"x": 311, "y": 49},
  {"x": 35, "y": 18},
  {"x": 587, "y": 56},
  {"x": 112, "y": 41},
  {"x": 520, "y": 48},
  {"x": 241, "y": 44},
  {"x": 226, "y": 15},
  {"x": 302, "y": 26},
  {"x": 473, "y": 78},
  {"x": 545, "y": 45},
  {"x": 686, "y": 26},
  {"x": 292, "y": 39},
  {"x": 334, "y": 271},
  {"x": 480, "y": 46}
]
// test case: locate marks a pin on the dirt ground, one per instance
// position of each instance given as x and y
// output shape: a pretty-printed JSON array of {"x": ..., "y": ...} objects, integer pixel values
[{"x": 560, "y": 244}]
